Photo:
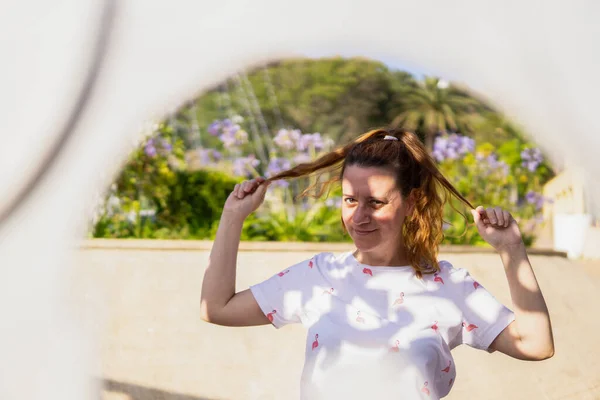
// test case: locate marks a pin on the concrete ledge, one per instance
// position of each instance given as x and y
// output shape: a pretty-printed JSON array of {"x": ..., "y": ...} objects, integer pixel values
[{"x": 205, "y": 245}]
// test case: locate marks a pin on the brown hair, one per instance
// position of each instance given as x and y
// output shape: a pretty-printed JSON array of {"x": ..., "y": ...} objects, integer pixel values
[{"x": 416, "y": 172}]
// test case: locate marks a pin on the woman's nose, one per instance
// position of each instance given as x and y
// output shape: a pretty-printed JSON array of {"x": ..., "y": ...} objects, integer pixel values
[{"x": 361, "y": 215}]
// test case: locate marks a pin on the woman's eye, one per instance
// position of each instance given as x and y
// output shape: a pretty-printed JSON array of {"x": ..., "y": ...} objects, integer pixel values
[
  {"x": 376, "y": 202},
  {"x": 349, "y": 200}
]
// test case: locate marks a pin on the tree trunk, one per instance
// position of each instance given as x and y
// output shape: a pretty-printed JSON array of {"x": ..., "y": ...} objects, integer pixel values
[{"x": 429, "y": 137}]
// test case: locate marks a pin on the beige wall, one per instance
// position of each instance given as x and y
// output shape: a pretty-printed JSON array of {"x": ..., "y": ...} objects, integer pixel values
[
  {"x": 142, "y": 306},
  {"x": 567, "y": 191}
]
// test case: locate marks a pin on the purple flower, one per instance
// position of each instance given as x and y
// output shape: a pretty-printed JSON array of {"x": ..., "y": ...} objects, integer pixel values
[
  {"x": 536, "y": 199},
  {"x": 166, "y": 146},
  {"x": 531, "y": 197},
  {"x": 277, "y": 165},
  {"x": 226, "y": 123},
  {"x": 531, "y": 165},
  {"x": 204, "y": 156},
  {"x": 531, "y": 158},
  {"x": 149, "y": 149},
  {"x": 244, "y": 166},
  {"x": 281, "y": 183},
  {"x": 214, "y": 128},
  {"x": 452, "y": 146},
  {"x": 308, "y": 140},
  {"x": 217, "y": 156},
  {"x": 440, "y": 143},
  {"x": 451, "y": 153},
  {"x": 286, "y": 139},
  {"x": 207, "y": 156},
  {"x": 465, "y": 145},
  {"x": 233, "y": 135},
  {"x": 494, "y": 165},
  {"x": 438, "y": 155}
]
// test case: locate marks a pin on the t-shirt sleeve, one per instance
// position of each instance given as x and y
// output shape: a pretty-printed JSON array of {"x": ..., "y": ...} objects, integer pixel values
[
  {"x": 483, "y": 316},
  {"x": 284, "y": 296}
]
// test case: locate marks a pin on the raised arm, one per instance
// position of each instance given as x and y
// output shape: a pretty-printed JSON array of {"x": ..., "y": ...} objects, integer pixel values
[
  {"x": 529, "y": 336},
  {"x": 219, "y": 304}
]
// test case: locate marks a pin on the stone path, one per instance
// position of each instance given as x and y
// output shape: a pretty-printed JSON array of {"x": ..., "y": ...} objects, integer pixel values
[{"x": 142, "y": 306}]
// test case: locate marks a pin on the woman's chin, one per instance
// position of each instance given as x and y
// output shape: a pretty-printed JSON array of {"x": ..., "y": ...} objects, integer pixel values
[{"x": 365, "y": 244}]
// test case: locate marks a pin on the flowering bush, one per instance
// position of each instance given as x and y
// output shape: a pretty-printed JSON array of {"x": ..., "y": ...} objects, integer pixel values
[
  {"x": 490, "y": 177},
  {"x": 157, "y": 197},
  {"x": 130, "y": 208},
  {"x": 283, "y": 216}
]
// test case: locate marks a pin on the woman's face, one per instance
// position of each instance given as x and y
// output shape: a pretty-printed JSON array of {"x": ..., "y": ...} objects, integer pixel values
[{"x": 373, "y": 209}]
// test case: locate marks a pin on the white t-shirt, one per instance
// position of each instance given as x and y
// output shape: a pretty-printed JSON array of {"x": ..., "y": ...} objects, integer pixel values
[{"x": 380, "y": 332}]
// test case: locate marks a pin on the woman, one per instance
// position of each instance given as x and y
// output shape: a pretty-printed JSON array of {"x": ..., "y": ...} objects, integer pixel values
[{"x": 382, "y": 319}]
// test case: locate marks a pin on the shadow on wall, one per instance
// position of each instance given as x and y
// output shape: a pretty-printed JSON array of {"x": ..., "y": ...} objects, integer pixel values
[{"x": 137, "y": 392}]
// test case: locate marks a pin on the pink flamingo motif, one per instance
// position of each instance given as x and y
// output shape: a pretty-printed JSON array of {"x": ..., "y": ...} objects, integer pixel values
[
  {"x": 450, "y": 383},
  {"x": 310, "y": 263},
  {"x": 328, "y": 291},
  {"x": 367, "y": 271},
  {"x": 395, "y": 347},
  {"x": 282, "y": 273},
  {"x": 424, "y": 389},
  {"x": 399, "y": 300},
  {"x": 435, "y": 326},
  {"x": 476, "y": 284},
  {"x": 469, "y": 327},
  {"x": 438, "y": 278},
  {"x": 316, "y": 342},
  {"x": 359, "y": 319},
  {"x": 270, "y": 315},
  {"x": 447, "y": 369}
]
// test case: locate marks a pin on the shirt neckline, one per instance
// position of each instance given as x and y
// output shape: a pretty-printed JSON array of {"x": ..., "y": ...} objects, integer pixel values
[{"x": 380, "y": 267}]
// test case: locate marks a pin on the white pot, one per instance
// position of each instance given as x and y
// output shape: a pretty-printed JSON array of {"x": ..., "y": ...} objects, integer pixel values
[{"x": 570, "y": 231}]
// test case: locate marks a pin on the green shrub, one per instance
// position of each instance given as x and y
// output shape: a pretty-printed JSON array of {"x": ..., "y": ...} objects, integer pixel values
[{"x": 194, "y": 203}]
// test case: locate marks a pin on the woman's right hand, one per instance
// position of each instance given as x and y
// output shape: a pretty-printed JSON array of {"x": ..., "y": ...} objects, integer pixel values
[{"x": 246, "y": 197}]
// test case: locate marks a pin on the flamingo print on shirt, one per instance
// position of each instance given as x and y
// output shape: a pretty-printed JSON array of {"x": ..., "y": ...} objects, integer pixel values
[
  {"x": 282, "y": 273},
  {"x": 375, "y": 341},
  {"x": 469, "y": 327},
  {"x": 476, "y": 284},
  {"x": 399, "y": 300},
  {"x": 270, "y": 315},
  {"x": 447, "y": 369},
  {"x": 359, "y": 319},
  {"x": 310, "y": 263},
  {"x": 328, "y": 291},
  {"x": 438, "y": 278},
  {"x": 316, "y": 342},
  {"x": 424, "y": 389}
]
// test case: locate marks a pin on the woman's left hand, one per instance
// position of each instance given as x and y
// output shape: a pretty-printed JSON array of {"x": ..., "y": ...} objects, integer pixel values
[{"x": 497, "y": 227}]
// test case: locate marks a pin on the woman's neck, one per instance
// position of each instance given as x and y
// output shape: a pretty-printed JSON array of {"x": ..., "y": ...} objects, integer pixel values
[{"x": 379, "y": 259}]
